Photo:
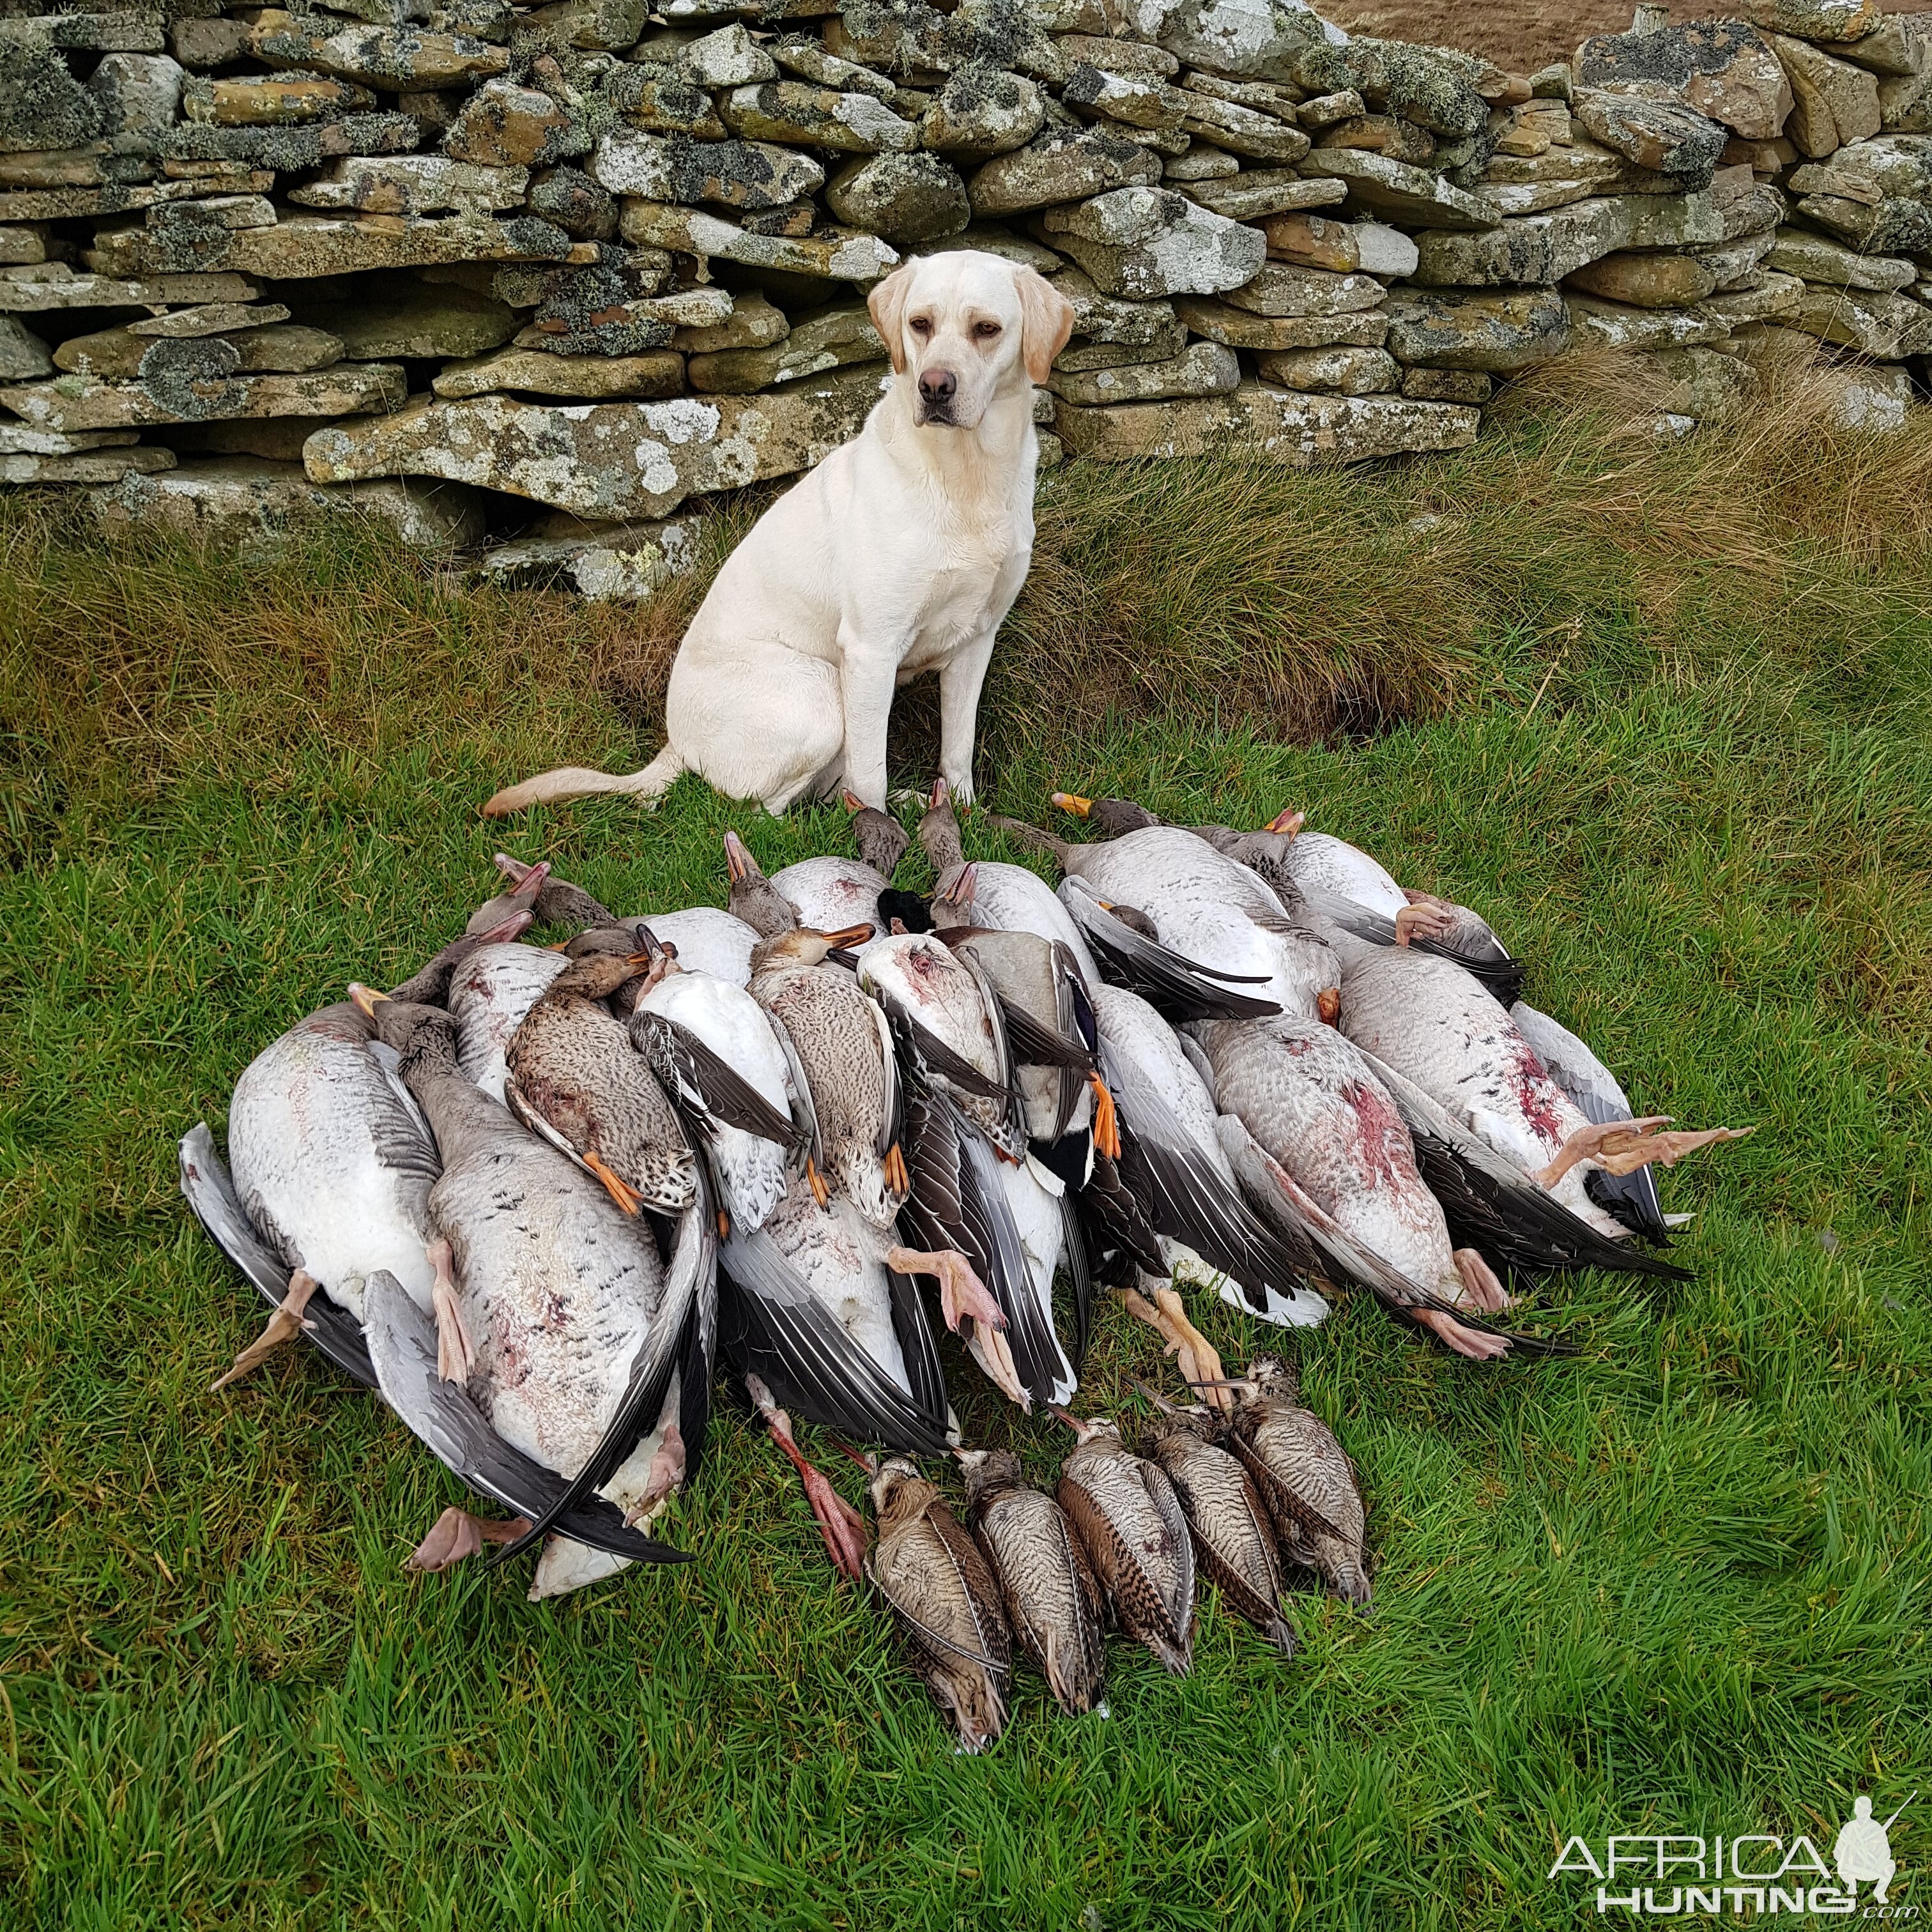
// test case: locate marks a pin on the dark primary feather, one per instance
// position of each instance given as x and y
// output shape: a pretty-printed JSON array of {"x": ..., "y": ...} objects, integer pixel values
[
  {"x": 1179, "y": 988},
  {"x": 403, "y": 1348},
  {"x": 705, "y": 1084},
  {"x": 210, "y": 1191},
  {"x": 776, "y": 1326}
]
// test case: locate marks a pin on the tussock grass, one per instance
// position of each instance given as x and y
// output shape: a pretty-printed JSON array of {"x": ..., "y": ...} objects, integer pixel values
[{"x": 1678, "y": 1582}]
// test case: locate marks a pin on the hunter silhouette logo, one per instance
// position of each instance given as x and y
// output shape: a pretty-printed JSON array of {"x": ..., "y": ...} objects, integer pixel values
[
  {"x": 1746, "y": 1874},
  {"x": 1863, "y": 1850}
]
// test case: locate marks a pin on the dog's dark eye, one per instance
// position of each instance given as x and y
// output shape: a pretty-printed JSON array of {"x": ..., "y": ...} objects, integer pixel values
[
  {"x": 985, "y": 331},
  {"x": 921, "y": 324}
]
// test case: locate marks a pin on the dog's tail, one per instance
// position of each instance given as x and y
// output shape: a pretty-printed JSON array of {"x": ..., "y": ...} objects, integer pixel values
[{"x": 647, "y": 786}]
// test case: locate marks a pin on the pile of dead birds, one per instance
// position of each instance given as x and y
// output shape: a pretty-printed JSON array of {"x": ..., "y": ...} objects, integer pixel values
[{"x": 537, "y": 1196}]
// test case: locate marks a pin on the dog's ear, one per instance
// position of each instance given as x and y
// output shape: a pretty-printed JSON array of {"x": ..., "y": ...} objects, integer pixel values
[
  {"x": 887, "y": 304},
  {"x": 1046, "y": 320}
]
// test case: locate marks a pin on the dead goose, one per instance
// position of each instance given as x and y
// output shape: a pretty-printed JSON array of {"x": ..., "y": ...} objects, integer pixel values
[
  {"x": 1339, "y": 878},
  {"x": 832, "y": 893},
  {"x": 942, "y": 1595},
  {"x": 1438, "y": 1027},
  {"x": 1327, "y": 1133},
  {"x": 330, "y": 1166},
  {"x": 825, "y": 1310},
  {"x": 574, "y": 1079},
  {"x": 1233, "y": 1535},
  {"x": 1007, "y": 897},
  {"x": 591, "y": 1355},
  {"x": 840, "y": 1527},
  {"x": 1305, "y": 1477},
  {"x": 1053, "y": 1603},
  {"x": 706, "y": 939},
  {"x": 1129, "y": 1522}
]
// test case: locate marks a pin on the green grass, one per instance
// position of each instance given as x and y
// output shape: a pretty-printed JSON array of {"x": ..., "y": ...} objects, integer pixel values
[{"x": 1678, "y": 1582}]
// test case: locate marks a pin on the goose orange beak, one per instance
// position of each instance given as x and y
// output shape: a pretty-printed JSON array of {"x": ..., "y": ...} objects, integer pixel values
[
  {"x": 847, "y": 935},
  {"x": 1288, "y": 821},
  {"x": 1072, "y": 801},
  {"x": 851, "y": 801},
  {"x": 738, "y": 862},
  {"x": 941, "y": 793},
  {"x": 366, "y": 999}
]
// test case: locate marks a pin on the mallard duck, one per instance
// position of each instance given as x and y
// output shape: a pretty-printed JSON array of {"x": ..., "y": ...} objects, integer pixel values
[
  {"x": 825, "y": 1312},
  {"x": 589, "y": 1352},
  {"x": 1305, "y": 1477},
  {"x": 1053, "y": 1604},
  {"x": 1234, "y": 1535},
  {"x": 1006, "y": 897},
  {"x": 1439, "y": 1028},
  {"x": 935, "y": 1581},
  {"x": 843, "y": 1051},
  {"x": 713, "y": 1050},
  {"x": 1130, "y": 1522},
  {"x": 575, "y": 1079}
]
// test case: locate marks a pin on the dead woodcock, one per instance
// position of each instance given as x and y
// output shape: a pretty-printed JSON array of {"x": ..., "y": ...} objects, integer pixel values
[
  {"x": 1305, "y": 1477},
  {"x": 946, "y": 1601},
  {"x": 1233, "y": 1535},
  {"x": 1052, "y": 1599},
  {"x": 1130, "y": 1523}
]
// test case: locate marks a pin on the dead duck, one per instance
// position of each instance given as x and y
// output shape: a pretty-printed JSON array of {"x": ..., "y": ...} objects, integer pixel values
[
  {"x": 330, "y": 1166},
  {"x": 1234, "y": 1533},
  {"x": 1054, "y": 1606},
  {"x": 973, "y": 1187},
  {"x": 934, "y": 1580},
  {"x": 842, "y": 1051},
  {"x": 574, "y": 1079},
  {"x": 1305, "y": 1477},
  {"x": 1130, "y": 1523},
  {"x": 1004, "y": 897},
  {"x": 591, "y": 1353},
  {"x": 489, "y": 997},
  {"x": 1439, "y": 1028}
]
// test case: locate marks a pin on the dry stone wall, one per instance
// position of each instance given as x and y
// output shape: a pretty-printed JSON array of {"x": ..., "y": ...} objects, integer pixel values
[{"x": 609, "y": 257}]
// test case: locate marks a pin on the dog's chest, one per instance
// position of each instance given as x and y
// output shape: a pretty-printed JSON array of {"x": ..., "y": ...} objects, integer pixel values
[{"x": 971, "y": 579}]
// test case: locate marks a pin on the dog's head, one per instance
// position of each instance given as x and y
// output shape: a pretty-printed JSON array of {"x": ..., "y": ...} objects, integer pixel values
[{"x": 965, "y": 327}]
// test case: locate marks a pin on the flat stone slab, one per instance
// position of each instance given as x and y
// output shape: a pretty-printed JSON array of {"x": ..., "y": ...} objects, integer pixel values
[
  {"x": 1544, "y": 248},
  {"x": 836, "y": 254},
  {"x": 78, "y": 402},
  {"x": 1496, "y": 331},
  {"x": 1276, "y": 425},
  {"x": 1411, "y": 196},
  {"x": 602, "y": 563},
  {"x": 94, "y": 466},
  {"x": 1240, "y": 328},
  {"x": 54, "y": 285},
  {"x": 247, "y": 497},
  {"x": 1144, "y": 243},
  {"x": 307, "y": 245},
  {"x": 1251, "y": 196},
  {"x": 739, "y": 174},
  {"x": 656, "y": 374},
  {"x": 75, "y": 204},
  {"x": 610, "y": 462},
  {"x": 1200, "y": 369}
]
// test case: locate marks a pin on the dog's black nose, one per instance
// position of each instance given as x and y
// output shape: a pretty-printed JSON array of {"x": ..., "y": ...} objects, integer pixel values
[{"x": 937, "y": 385}]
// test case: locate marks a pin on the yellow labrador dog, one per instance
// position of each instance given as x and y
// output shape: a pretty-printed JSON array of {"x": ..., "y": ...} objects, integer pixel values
[{"x": 901, "y": 553}]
